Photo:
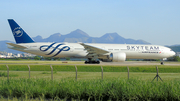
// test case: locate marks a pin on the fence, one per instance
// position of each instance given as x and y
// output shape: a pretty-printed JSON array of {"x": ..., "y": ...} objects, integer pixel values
[{"x": 128, "y": 76}]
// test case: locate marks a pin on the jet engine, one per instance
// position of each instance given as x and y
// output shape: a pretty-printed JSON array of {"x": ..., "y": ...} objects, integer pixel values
[{"x": 117, "y": 57}]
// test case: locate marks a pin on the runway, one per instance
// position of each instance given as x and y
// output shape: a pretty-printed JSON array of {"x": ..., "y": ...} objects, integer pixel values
[
  {"x": 126, "y": 63},
  {"x": 132, "y": 63}
]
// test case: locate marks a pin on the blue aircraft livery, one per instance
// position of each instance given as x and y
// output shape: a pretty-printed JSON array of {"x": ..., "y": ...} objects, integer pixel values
[
  {"x": 45, "y": 48},
  {"x": 19, "y": 34}
]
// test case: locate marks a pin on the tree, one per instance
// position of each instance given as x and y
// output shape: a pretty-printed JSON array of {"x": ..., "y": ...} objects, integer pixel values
[
  {"x": 37, "y": 58},
  {"x": 48, "y": 58},
  {"x": 174, "y": 58},
  {"x": 67, "y": 58},
  {"x": 56, "y": 58}
]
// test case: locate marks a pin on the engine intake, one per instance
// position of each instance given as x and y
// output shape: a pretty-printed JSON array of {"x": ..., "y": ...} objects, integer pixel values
[{"x": 117, "y": 57}]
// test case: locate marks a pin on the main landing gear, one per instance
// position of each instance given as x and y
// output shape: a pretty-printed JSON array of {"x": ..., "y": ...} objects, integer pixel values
[{"x": 90, "y": 61}]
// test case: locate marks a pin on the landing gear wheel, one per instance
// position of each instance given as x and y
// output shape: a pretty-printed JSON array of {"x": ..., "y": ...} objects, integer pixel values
[
  {"x": 91, "y": 62},
  {"x": 86, "y": 62},
  {"x": 98, "y": 62}
]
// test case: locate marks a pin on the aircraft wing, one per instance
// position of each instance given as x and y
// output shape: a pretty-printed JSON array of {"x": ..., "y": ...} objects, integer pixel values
[
  {"x": 17, "y": 46},
  {"x": 94, "y": 50}
]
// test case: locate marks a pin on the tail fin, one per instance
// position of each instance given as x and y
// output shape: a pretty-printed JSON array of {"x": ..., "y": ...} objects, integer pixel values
[{"x": 19, "y": 34}]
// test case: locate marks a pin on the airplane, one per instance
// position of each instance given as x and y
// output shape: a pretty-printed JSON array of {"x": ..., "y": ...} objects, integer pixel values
[{"x": 93, "y": 52}]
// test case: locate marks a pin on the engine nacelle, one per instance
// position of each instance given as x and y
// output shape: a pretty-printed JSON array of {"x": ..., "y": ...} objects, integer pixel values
[{"x": 117, "y": 57}]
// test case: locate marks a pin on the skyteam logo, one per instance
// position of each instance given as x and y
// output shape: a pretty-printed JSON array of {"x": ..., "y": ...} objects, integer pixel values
[
  {"x": 18, "y": 32},
  {"x": 57, "y": 49}
]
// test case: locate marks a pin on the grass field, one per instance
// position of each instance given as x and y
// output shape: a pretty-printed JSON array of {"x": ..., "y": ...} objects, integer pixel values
[
  {"x": 89, "y": 85},
  {"x": 94, "y": 68},
  {"x": 39, "y": 70},
  {"x": 89, "y": 75},
  {"x": 91, "y": 90}
]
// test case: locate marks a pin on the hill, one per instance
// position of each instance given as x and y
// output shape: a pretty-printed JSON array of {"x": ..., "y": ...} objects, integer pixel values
[
  {"x": 80, "y": 36},
  {"x": 175, "y": 48}
]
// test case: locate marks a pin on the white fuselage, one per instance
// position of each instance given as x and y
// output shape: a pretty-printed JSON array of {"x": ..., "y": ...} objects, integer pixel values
[{"x": 76, "y": 50}]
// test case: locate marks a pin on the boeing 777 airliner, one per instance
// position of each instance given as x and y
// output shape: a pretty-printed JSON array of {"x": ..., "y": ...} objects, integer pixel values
[{"x": 93, "y": 52}]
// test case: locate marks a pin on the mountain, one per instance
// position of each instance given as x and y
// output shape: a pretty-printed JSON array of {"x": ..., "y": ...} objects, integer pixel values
[
  {"x": 4, "y": 48},
  {"x": 175, "y": 48},
  {"x": 39, "y": 38},
  {"x": 52, "y": 38},
  {"x": 79, "y": 36}
]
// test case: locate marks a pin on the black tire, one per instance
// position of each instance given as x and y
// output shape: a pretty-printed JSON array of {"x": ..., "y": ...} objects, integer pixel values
[
  {"x": 86, "y": 62},
  {"x": 98, "y": 62}
]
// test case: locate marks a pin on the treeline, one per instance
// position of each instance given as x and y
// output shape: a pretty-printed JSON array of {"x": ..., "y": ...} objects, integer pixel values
[{"x": 175, "y": 58}]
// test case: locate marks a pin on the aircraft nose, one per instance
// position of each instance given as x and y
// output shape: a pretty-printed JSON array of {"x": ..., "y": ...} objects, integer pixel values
[{"x": 173, "y": 53}]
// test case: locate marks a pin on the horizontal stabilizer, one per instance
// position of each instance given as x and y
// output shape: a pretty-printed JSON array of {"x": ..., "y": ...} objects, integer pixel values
[{"x": 17, "y": 46}]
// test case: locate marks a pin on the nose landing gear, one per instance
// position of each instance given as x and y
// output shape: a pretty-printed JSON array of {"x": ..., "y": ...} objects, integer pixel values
[{"x": 162, "y": 63}]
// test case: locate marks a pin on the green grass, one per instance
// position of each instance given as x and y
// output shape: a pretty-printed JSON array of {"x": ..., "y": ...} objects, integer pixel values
[
  {"x": 89, "y": 75},
  {"x": 46, "y": 72},
  {"x": 89, "y": 85},
  {"x": 4, "y": 74},
  {"x": 94, "y": 68},
  {"x": 110, "y": 89}
]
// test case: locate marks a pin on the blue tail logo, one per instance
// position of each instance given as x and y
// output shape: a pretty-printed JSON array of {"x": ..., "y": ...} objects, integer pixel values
[
  {"x": 45, "y": 48},
  {"x": 19, "y": 34}
]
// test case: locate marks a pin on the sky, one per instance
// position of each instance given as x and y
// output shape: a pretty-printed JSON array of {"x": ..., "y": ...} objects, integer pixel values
[{"x": 154, "y": 21}]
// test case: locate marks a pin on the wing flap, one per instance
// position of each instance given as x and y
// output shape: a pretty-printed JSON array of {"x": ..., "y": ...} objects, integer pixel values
[{"x": 94, "y": 50}]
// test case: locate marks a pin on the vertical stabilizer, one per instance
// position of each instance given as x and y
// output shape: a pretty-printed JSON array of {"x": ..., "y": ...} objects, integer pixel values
[{"x": 19, "y": 34}]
